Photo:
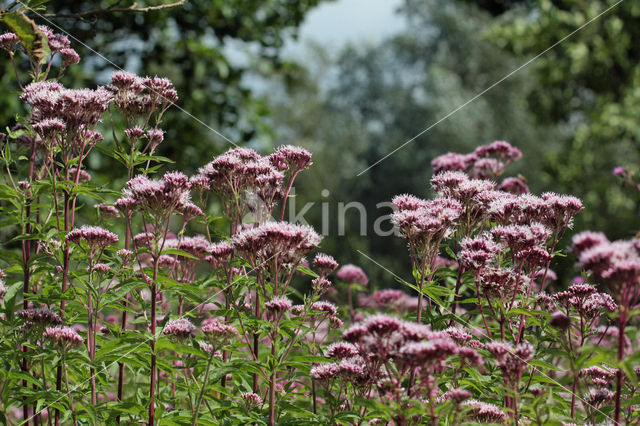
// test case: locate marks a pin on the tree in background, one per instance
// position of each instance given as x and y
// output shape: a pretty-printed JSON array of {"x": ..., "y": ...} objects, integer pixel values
[
  {"x": 353, "y": 108},
  {"x": 589, "y": 85},
  {"x": 204, "y": 46}
]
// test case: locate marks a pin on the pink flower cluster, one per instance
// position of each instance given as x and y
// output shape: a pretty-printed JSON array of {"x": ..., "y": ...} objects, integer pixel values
[
  {"x": 325, "y": 264},
  {"x": 251, "y": 400},
  {"x": 618, "y": 263},
  {"x": 94, "y": 236},
  {"x": 39, "y": 316},
  {"x": 425, "y": 223},
  {"x": 57, "y": 43},
  {"x": 381, "y": 339},
  {"x": 487, "y": 161},
  {"x": 158, "y": 197},
  {"x": 352, "y": 274},
  {"x": 63, "y": 337},
  {"x": 239, "y": 170},
  {"x": 137, "y": 96},
  {"x": 511, "y": 360},
  {"x": 278, "y": 305},
  {"x": 79, "y": 109},
  {"x": 279, "y": 241},
  {"x": 217, "y": 332},
  {"x": 484, "y": 412},
  {"x": 586, "y": 301},
  {"x": 180, "y": 328}
]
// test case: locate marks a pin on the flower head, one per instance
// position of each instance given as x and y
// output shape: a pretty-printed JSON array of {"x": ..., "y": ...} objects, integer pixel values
[
  {"x": 429, "y": 352},
  {"x": 456, "y": 395},
  {"x": 217, "y": 332},
  {"x": 514, "y": 186},
  {"x": 325, "y": 264},
  {"x": 321, "y": 285},
  {"x": 352, "y": 274},
  {"x": 477, "y": 252},
  {"x": 291, "y": 158},
  {"x": 41, "y": 317},
  {"x": 387, "y": 296},
  {"x": 63, "y": 337},
  {"x": 69, "y": 57},
  {"x": 324, "y": 372},
  {"x": 180, "y": 328},
  {"x": 251, "y": 400},
  {"x": 219, "y": 254},
  {"x": 484, "y": 412},
  {"x": 342, "y": 350},
  {"x": 158, "y": 197},
  {"x": 288, "y": 242},
  {"x": 8, "y": 41},
  {"x": 278, "y": 305},
  {"x": 94, "y": 236},
  {"x": 452, "y": 161}
]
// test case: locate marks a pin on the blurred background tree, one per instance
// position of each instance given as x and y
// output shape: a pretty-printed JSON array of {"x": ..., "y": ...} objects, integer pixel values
[
  {"x": 205, "y": 47},
  {"x": 353, "y": 108},
  {"x": 590, "y": 86}
]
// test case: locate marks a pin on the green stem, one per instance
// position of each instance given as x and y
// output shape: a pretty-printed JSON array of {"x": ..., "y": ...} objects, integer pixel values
[
  {"x": 201, "y": 394},
  {"x": 44, "y": 384},
  {"x": 66, "y": 380}
]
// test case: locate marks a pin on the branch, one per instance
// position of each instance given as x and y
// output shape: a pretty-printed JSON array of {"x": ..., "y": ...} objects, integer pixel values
[{"x": 113, "y": 9}]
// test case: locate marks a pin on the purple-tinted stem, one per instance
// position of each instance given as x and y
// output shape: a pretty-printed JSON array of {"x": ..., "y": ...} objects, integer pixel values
[
  {"x": 622, "y": 322},
  {"x": 152, "y": 385},
  {"x": 286, "y": 194},
  {"x": 272, "y": 380},
  {"x": 456, "y": 296},
  {"x": 123, "y": 324},
  {"x": 26, "y": 256},
  {"x": 256, "y": 343}
]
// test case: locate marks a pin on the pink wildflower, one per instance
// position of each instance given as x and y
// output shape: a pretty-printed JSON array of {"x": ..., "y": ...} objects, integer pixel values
[
  {"x": 324, "y": 372},
  {"x": 325, "y": 264},
  {"x": 586, "y": 240},
  {"x": 219, "y": 254},
  {"x": 387, "y": 296},
  {"x": 514, "y": 185},
  {"x": 485, "y": 412},
  {"x": 342, "y": 350},
  {"x": 456, "y": 395},
  {"x": 477, "y": 252},
  {"x": 94, "y": 236},
  {"x": 408, "y": 202},
  {"x": 8, "y": 41},
  {"x": 321, "y": 285},
  {"x": 251, "y": 400},
  {"x": 180, "y": 328},
  {"x": 40, "y": 316},
  {"x": 352, "y": 274},
  {"x": 293, "y": 158},
  {"x": 63, "y": 337},
  {"x": 215, "y": 330},
  {"x": 278, "y": 305},
  {"x": 107, "y": 211},
  {"x": 429, "y": 352},
  {"x": 69, "y": 57},
  {"x": 326, "y": 307}
]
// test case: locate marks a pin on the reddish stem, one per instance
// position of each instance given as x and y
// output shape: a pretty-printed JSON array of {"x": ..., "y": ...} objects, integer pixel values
[
  {"x": 152, "y": 385},
  {"x": 622, "y": 322}
]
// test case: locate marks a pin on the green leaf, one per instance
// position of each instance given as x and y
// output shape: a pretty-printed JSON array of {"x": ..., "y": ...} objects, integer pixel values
[
  {"x": 628, "y": 369},
  {"x": 179, "y": 253},
  {"x": 34, "y": 40},
  {"x": 23, "y": 27}
]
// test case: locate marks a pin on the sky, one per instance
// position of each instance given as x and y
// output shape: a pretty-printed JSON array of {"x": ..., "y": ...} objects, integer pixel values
[{"x": 336, "y": 23}]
